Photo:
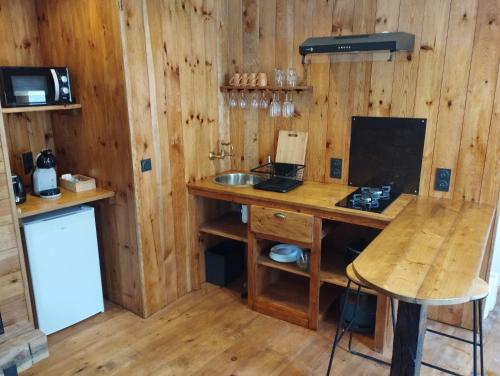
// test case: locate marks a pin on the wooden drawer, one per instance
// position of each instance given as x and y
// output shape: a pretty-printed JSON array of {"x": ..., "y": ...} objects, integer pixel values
[{"x": 282, "y": 223}]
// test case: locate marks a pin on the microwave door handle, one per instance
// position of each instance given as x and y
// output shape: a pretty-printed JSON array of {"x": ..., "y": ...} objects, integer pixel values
[{"x": 56, "y": 85}]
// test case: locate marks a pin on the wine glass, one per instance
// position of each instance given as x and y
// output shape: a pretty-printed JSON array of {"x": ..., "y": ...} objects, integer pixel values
[
  {"x": 275, "y": 107},
  {"x": 263, "y": 103},
  {"x": 243, "y": 100},
  {"x": 232, "y": 100},
  {"x": 292, "y": 77},
  {"x": 279, "y": 77},
  {"x": 288, "y": 106},
  {"x": 254, "y": 102}
]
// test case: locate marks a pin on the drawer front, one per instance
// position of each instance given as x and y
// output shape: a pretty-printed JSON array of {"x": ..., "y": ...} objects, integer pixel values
[{"x": 282, "y": 223}]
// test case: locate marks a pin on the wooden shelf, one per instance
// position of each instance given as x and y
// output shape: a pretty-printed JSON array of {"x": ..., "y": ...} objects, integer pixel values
[
  {"x": 266, "y": 88},
  {"x": 333, "y": 271},
  {"x": 36, "y": 205},
  {"x": 63, "y": 107},
  {"x": 290, "y": 267},
  {"x": 289, "y": 290},
  {"x": 227, "y": 226}
]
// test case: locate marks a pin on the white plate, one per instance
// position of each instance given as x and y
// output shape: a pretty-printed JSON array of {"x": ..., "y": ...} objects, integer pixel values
[{"x": 285, "y": 253}]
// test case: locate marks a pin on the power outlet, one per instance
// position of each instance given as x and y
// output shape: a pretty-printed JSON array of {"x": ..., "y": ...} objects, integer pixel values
[
  {"x": 443, "y": 176},
  {"x": 336, "y": 168},
  {"x": 146, "y": 165}
]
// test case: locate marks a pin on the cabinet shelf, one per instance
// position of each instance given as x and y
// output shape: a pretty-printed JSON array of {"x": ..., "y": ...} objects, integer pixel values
[
  {"x": 290, "y": 267},
  {"x": 227, "y": 226},
  {"x": 62, "y": 107},
  {"x": 288, "y": 291},
  {"x": 333, "y": 271},
  {"x": 226, "y": 88}
]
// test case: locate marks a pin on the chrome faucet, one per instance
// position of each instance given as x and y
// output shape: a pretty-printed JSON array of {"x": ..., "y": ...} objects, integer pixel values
[{"x": 223, "y": 153}]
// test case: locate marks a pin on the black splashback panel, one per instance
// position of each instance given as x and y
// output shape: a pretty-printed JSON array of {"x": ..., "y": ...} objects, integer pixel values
[{"x": 386, "y": 151}]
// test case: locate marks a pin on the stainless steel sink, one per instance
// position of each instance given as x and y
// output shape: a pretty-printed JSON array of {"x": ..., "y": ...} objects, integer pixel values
[{"x": 238, "y": 179}]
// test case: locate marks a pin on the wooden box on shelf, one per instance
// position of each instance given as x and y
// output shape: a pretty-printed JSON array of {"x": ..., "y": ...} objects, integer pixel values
[{"x": 77, "y": 183}]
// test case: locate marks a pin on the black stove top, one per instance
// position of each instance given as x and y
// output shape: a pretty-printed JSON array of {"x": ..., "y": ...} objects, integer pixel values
[{"x": 373, "y": 199}]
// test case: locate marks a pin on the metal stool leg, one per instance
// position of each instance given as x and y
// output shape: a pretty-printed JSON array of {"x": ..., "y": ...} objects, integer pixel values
[
  {"x": 337, "y": 337},
  {"x": 354, "y": 352},
  {"x": 474, "y": 335},
  {"x": 481, "y": 358},
  {"x": 348, "y": 328}
]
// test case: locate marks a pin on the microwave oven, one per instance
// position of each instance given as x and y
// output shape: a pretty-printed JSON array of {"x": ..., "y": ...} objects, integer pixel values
[{"x": 34, "y": 86}]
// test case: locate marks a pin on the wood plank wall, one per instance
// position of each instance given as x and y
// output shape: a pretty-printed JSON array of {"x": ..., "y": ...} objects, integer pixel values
[
  {"x": 170, "y": 57},
  {"x": 175, "y": 55},
  {"x": 15, "y": 303},
  {"x": 95, "y": 141},
  {"x": 20, "y": 45},
  {"x": 451, "y": 79}
]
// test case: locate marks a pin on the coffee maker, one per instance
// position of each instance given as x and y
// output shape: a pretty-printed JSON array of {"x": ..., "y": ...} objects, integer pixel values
[{"x": 44, "y": 176}]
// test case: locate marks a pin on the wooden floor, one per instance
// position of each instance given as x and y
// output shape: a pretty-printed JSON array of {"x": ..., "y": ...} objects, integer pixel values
[{"x": 211, "y": 332}]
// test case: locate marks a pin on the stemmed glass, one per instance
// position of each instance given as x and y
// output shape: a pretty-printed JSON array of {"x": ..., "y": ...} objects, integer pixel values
[
  {"x": 288, "y": 106},
  {"x": 292, "y": 77},
  {"x": 263, "y": 103},
  {"x": 279, "y": 77},
  {"x": 232, "y": 100},
  {"x": 254, "y": 102},
  {"x": 243, "y": 100},
  {"x": 275, "y": 107}
]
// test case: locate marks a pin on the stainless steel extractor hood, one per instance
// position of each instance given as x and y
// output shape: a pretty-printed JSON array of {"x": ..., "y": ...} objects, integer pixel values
[{"x": 398, "y": 41}]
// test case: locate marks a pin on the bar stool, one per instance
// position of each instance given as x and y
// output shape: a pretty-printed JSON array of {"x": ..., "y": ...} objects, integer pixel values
[
  {"x": 479, "y": 293},
  {"x": 339, "y": 333}
]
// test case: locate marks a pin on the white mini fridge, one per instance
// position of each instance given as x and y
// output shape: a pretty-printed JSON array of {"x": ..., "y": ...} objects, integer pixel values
[{"x": 64, "y": 263}]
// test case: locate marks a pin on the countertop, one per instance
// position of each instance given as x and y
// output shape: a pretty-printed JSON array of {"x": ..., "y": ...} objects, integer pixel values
[
  {"x": 36, "y": 205},
  {"x": 430, "y": 254},
  {"x": 311, "y": 197}
]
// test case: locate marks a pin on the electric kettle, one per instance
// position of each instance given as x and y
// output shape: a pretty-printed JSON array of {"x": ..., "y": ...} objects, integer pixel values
[{"x": 19, "y": 191}]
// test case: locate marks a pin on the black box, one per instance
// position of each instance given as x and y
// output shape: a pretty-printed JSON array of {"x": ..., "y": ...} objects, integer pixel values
[{"x": 224, "y": 262}]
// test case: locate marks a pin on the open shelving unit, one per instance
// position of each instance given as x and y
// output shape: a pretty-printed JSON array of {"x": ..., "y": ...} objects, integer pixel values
[
  {"x": 288, "y": 290},
  {"x": 228, "y": 226}
]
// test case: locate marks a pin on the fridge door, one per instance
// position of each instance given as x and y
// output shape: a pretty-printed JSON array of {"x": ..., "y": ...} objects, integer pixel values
[{"x": 64, "y": 265}]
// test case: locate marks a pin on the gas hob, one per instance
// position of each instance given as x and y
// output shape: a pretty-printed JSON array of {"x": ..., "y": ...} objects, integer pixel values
[{"x": 373, "y": 199}]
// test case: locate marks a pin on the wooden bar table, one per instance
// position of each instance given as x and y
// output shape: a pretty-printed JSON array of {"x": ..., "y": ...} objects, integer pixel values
[{"x": 429, "y": 255}]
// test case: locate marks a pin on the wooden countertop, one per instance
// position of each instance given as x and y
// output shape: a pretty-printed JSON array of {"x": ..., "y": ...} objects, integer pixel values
[
  {"x": 430, "y": 254},
  {"x": 36, "y": 205},
  {"x": 311, "y": 197}
]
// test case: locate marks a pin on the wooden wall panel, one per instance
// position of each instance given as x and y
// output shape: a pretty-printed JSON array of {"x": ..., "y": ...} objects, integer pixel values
[
  {"x": 95, "y": 141},
  {"x": 461, "y": 26},
  {"x": 480, "y": 96},
  {"x": 339, "y": 114},
  {"x": 450, "y": 79},
  {"x": 15, "y": 301},
  {"x": 267, "y": 58},
  {"x": 175, "y": 54},
  {"x": 318, "y": 76}
]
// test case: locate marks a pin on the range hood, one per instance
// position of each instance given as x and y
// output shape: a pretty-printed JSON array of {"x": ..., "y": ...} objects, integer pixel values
[{"x": 398, "y": 41}]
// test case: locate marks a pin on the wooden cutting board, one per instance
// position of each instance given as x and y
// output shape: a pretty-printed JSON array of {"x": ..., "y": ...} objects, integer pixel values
[{"x": 292, "y": 147}]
